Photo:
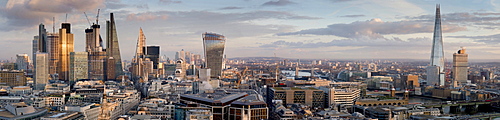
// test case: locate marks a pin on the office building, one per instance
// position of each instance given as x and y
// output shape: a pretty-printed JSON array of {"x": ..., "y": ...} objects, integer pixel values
[
  {"x": 214, "y": 45},
  {"x": 180, "y": 55},
  {"x": 435, "y": 71},
  {"x": 114, "y": 63},
  {"x": 78, "y": 66},
  {"x": 303, "y": 95},
  {"x": 54, "y": 54},
  {"x": 227, "y": 104},
  {"x": 35, "y": 49},
  {"x": 96, "y": 55},
  {"x": 42, "y": 70},
  {"x": 460, "y": 67},
  {"x": 153, "y": 53},
  {"x": 12, "y": 78},
  {"x": 66, "y": 46},
  {"x": 22, "y": 61},
  {"x": 411, "y": 81},
  {"x": 42, "y": 39},
  {"x": 343, "y": 97}
]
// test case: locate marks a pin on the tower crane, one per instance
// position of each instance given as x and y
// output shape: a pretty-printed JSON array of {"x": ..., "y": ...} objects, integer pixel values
[{"x": 87, "y": 18}]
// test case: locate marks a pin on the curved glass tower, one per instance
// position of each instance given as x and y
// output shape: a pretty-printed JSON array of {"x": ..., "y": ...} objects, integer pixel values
[{"x": 213, "y": 45}]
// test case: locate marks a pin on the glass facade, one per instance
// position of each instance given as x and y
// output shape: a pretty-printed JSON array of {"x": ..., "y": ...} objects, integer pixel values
[
  {"x": 114, "y": 67},
  {"x": 437, "y": 54},
  {"x": 214, "y": 45}
]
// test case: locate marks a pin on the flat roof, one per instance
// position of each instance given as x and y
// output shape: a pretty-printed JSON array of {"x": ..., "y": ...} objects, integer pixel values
[{"x": 294, "y": 88}]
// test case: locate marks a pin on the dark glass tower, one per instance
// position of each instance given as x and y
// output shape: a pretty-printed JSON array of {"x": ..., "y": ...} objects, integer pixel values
[
  {"x": 213, "y": 45},
  {"x": 153, "y": 53},
  {"x": 114, "y": 61},
  {"x": 435, "y": 72},
  {"x": 42, "y": 38}
]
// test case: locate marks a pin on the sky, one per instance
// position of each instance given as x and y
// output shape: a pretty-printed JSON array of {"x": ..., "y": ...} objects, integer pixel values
[{"x": 303, "y": 29}]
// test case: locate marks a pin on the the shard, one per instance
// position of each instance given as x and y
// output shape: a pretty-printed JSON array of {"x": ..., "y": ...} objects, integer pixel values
[
  {"x": 114, "y": 61},
  {"x": 435, "y": 72}
]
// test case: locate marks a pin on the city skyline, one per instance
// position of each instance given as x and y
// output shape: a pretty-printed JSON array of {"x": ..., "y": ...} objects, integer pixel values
[{"x": 335, "y": 29}]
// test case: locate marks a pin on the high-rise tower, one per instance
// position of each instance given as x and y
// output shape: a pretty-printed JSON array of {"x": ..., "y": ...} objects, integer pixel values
[
  {"x": 54, "y": 51},
  {"x": 460, "y": 65},
  {"x": 42, "y": 39},
  {"x": 96, "y": 54},
  {"x": 114, "y": 60},
  {"x": 42, "y": 70},
  {"x": 213, "y": 45},
  {"x": 138, "y": 72},
  {"x": 66, "y": 46},
  {"x": 435, "y": 72}
]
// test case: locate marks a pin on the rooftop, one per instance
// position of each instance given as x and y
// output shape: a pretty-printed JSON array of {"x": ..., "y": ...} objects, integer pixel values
[{"x": 294, "y": 88}]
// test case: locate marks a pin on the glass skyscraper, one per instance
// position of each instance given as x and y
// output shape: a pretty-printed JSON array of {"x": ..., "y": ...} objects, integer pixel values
[
  {"x": 435, "y": 72},
  {"x": 114, "y": 60},
  {"x": 213, "y": 45}
]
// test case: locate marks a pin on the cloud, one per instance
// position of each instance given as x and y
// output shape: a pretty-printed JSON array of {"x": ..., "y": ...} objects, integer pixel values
[
  {"x": 474, "y": 19},
  {"x": 169, "y": 1},
  {"x": 375, "y": 29},
  {"x": 147, "y": 16},
  {"x": 341, "y": 0},
  {"x": 27, "y": 13},
  {"x": 353, "y": 16},
  {"x": 278, "y": 3},
  {"x": 486, "y": 39},
  {"x": 143, "y": 6},
  {"x": 115, "y": 5},
  {"x": 419, "y": 41},
  {"x": 231, "y": 8},
  {"x": 224, "y": 17}
]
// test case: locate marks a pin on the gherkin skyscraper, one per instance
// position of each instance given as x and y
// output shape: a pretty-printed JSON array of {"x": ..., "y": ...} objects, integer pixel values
[
  {"x": 435, "y": 72},
  {"x": 114, "y": 61}
]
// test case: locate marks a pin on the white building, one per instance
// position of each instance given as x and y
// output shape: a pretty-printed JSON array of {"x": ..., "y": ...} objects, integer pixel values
[{"x": 41, "y": 70}]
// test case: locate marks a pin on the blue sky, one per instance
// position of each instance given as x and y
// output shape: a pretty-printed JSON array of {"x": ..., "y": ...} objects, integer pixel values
[{"x": 316, "y": 29}]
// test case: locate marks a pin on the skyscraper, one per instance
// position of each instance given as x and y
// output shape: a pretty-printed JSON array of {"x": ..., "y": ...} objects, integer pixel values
[
  {"x": 35, "y": 49},
  {"x": 22, "y": 61},
  {"x": 42, "y": 39},
  {"x": 54, "y": 50},
  {"x": 153, "y": 53},
  {"x": 180, "y": 55},
  {"x": 138, "y": 72},
  {"x": 66, "y": 46},
  {"x": 96, "y": 55},
  {"x": 42, "y": 70},
  {"x": 460, "y": 66},
  {"x": 114, "y": 63},
  {"x": 435, "y": 72},
  {"x": 213, "y": 45}
]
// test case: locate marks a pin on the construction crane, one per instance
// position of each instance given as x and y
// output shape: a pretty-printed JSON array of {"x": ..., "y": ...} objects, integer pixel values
[
  {"x": 97, "y": 17},
  {"x": 241, "y": 76},
  {"x": 87, "y": 18}
]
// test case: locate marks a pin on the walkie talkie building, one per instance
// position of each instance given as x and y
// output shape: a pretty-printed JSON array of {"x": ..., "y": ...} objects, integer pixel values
[{"x": 213, "y": 45}]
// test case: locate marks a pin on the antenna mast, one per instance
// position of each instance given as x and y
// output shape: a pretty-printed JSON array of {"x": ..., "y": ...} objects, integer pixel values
[
  {"x": 66, "y": 20},
  {"x": 53, "y": 24}
]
